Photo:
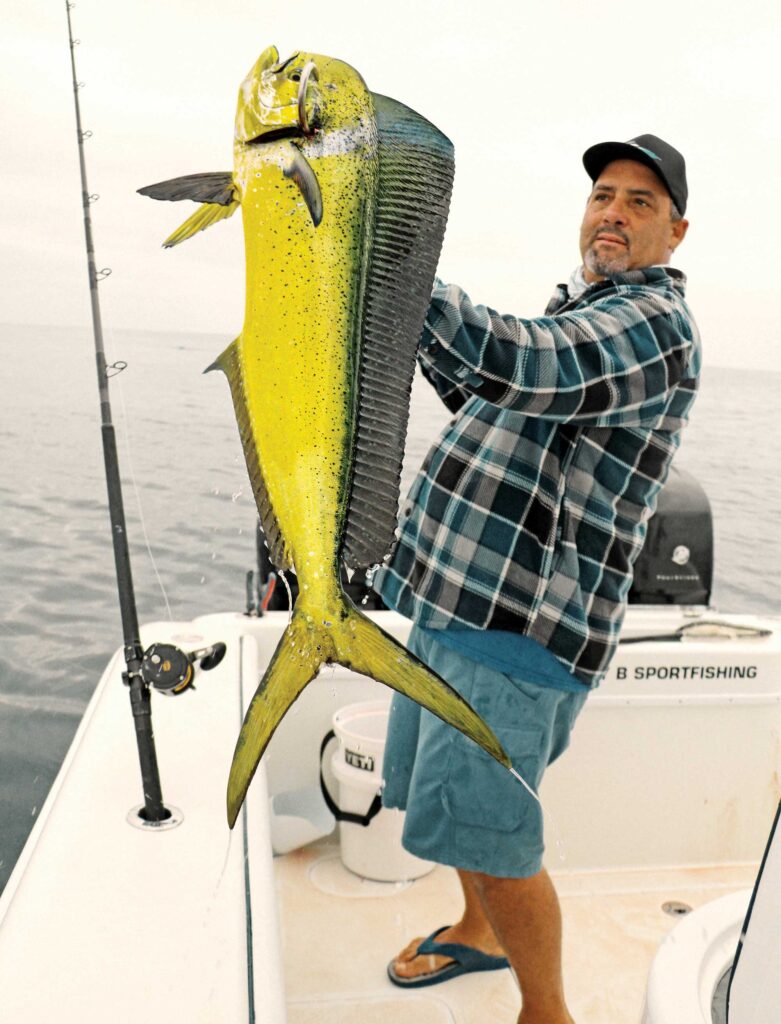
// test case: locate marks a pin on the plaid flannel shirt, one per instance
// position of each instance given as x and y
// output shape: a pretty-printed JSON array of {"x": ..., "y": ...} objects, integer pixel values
[{"x": 530, "y": 510}]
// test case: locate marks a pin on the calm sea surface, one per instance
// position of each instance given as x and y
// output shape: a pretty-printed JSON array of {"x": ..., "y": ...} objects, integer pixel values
[{"x": 186, "y": 491}]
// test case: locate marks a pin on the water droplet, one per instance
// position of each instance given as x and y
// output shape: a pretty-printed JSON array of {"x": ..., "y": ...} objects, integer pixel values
[
  {"x": 216, "y": 490},
  {"x": 214, "y": 556},
  {"x": 203, "y": 579},
  {"x": 235, "y": 497}
]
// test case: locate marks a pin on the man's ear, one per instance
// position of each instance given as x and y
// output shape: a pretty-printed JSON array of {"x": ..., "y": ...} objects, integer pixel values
[{"x": 678, "y": 233}]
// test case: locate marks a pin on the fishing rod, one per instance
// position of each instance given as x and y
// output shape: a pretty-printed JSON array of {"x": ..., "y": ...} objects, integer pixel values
[{"x": 163, "y": 666}]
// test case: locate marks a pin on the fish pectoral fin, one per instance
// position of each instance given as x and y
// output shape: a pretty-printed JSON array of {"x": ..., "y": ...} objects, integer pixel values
[
  {"x": 210, "y": 187},
  {"x": 299, "y": 170},
  {"x": 204, "y": 217},
  {"x": 295, "y": 663}
]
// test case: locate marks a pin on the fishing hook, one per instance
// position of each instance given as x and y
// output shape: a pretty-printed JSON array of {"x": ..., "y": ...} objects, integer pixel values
[{"x": 310, "y": 69}]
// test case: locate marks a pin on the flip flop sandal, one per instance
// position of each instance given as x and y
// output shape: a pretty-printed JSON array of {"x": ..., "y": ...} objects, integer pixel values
[{"x": 466, "y": 960}]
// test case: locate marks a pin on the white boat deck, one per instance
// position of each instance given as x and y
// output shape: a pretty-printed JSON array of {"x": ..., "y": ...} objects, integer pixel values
[
  {"x": 339, "y": 931},
  {"x": 101, "y": 921}
]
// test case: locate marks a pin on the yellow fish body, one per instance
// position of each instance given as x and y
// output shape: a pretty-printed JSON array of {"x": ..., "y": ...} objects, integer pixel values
[{"x": 344, "y": 199}]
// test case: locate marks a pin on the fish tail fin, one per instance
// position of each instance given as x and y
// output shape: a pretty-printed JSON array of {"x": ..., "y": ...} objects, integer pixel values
[
  {"x": 296, "y": 661},
  {"x": 363, "y": 647},
  {"x": 351, "y": 639}
]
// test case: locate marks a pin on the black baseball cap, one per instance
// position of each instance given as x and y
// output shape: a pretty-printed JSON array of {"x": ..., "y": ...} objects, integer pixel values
[{"x": 660, "y": 156}]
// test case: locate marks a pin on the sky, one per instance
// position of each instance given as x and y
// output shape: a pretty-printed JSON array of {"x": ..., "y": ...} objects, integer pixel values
[{"x": 522, "y": 87}]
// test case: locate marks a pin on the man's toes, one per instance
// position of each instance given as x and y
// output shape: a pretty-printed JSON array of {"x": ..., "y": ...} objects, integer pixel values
[
  {"x": 423, "y": 963},
  {"x": 409, "y": 952}
]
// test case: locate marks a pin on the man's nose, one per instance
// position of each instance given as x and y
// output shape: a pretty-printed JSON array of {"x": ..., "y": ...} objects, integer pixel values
[{"x": 614, "y": 213}]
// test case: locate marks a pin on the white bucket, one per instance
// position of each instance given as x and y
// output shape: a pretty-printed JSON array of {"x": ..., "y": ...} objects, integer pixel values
[{"x": 373, "y": 851}]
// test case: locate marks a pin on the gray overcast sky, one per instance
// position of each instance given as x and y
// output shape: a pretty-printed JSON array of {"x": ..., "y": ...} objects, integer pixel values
[{"x": 522, "y": 88}]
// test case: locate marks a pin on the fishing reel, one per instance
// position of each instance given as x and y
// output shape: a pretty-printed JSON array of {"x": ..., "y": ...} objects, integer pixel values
[{"x": 171, "y": 670}]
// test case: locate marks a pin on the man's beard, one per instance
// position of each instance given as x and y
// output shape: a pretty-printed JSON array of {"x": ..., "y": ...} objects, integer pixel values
[{"x": 604, "y": 265}]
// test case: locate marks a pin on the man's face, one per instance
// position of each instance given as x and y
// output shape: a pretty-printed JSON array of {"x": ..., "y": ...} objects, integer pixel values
[{"x": 627, "y": 223}]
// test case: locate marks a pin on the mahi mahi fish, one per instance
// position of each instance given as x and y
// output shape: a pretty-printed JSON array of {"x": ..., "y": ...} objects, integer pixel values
[{"x": 344, "y": 196}]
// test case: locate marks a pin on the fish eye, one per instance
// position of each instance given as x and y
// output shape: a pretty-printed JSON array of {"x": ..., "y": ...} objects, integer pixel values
[{"x": 295, "y": 76}]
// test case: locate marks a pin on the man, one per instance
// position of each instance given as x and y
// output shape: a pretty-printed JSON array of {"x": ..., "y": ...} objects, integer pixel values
[{"x": 516, "y": 550}]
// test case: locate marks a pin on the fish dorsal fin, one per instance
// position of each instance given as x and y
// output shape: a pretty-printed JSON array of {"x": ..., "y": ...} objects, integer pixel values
[
  {"x": 204, "y": 217},
  {"x": 210, "y": 187},
  {"x": 416, "y": 168},
  {"x": 230, "y": 365}
]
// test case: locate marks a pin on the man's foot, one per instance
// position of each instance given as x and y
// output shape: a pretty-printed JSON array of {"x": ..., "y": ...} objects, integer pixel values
[{"x": 410, "y": 964}]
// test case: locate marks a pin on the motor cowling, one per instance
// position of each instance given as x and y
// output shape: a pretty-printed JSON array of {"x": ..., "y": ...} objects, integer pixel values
[{"x": 676, "y": 563}]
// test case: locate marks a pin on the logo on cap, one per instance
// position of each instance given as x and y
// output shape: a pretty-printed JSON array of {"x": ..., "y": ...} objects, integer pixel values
[{"x": 648, "y": 152}]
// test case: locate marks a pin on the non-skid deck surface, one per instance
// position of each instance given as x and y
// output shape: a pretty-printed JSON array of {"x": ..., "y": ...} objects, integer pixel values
[{"x": 339, "y": 931}]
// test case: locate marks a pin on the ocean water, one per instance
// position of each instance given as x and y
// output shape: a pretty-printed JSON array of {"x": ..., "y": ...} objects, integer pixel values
[{"x": 188, "y": 503}]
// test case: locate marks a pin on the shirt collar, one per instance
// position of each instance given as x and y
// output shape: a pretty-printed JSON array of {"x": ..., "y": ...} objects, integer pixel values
[{"x": 568, "y": 296}]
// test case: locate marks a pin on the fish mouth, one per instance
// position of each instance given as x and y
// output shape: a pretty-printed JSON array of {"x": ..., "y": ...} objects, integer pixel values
[{"x": 275, "y": 134}]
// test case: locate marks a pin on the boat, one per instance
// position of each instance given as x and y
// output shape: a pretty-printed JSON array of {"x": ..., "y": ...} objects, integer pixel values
[
  {"x": 132, "y": 899},
  {"x": 658, "y": 817}
]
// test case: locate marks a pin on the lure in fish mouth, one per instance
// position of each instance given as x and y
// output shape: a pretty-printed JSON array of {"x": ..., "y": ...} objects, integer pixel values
[{"x": 344, "y": 197}]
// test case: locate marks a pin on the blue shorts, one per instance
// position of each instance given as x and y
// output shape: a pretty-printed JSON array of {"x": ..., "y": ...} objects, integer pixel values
[{"x": 462, "y": 807}]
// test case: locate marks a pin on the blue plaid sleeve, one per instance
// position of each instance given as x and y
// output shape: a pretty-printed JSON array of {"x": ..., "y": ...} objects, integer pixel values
[{"x": 615, "y": 361}]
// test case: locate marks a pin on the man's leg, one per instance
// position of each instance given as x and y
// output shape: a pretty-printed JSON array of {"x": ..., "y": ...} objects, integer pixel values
[
  {"x": 519, "y": 917},
  {"x": 526, "y": 918}
]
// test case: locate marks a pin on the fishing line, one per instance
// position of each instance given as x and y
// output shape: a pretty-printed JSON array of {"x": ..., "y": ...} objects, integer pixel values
[
  {"x": 211, "y": 904},
  {"x": 546, "y": 815},
  {"x": 126, "y": 435},
  {"x": 282, "y": 576}
]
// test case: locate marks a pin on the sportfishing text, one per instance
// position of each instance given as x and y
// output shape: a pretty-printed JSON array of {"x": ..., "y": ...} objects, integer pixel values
[{"x": 687, "y": 672}]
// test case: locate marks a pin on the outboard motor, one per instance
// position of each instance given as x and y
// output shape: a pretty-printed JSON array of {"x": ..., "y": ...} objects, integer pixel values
[{"x": 676, "y": 563}]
